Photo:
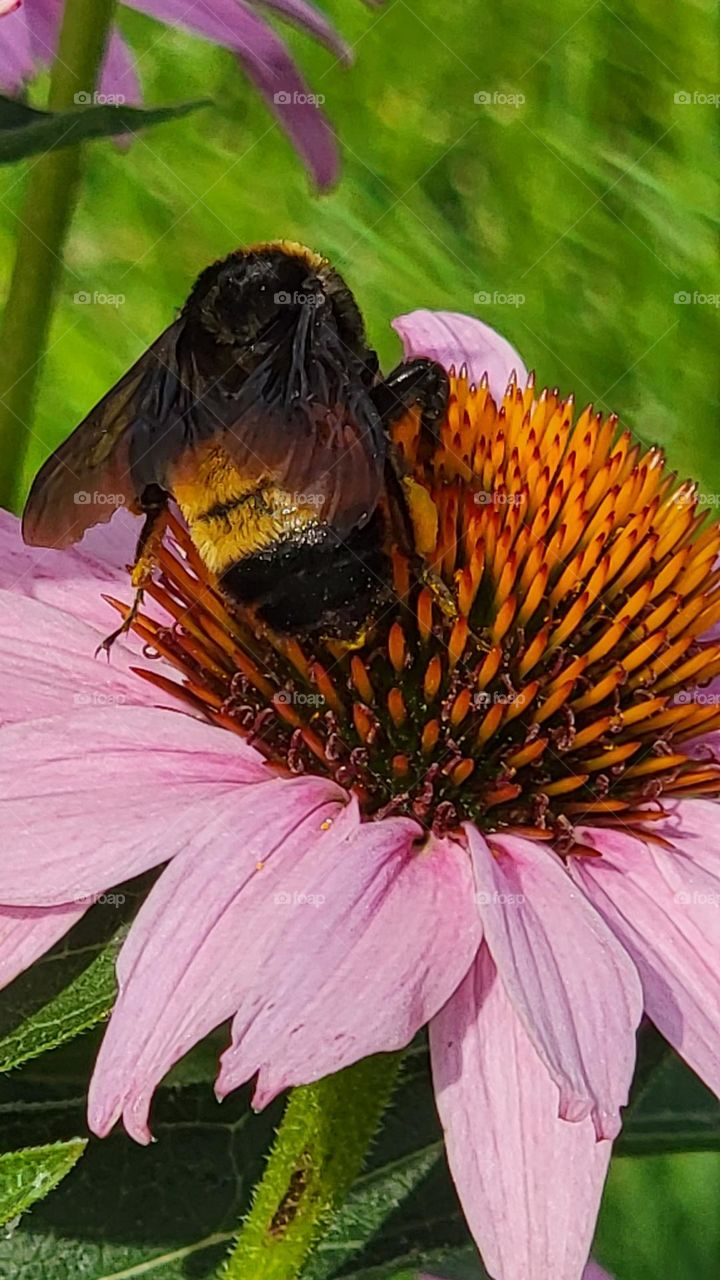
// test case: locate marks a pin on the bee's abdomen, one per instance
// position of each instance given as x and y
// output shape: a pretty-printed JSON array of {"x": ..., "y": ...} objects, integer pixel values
[{"x": 312, "y": 582}]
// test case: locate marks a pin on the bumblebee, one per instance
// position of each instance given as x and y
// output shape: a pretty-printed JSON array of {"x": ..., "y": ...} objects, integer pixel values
[{"x": 262, "y": 413}]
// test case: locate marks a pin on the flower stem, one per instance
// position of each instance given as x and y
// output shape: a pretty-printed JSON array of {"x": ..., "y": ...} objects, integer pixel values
[
  {"x": 50, "y": 198},
  {"x": 319, "y": 1150}
]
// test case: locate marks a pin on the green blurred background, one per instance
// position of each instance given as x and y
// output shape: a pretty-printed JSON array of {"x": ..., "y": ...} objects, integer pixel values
[{"x": 595, "y": 199}]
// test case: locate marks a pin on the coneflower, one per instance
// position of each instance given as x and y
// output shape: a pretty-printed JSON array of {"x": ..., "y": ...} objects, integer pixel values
[{"x": 496, "y": 816}]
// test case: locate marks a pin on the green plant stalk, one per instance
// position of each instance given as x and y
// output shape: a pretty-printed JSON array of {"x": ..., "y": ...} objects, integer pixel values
[
  {"x": 319, "y": 1150},
  {"x": 50, "y": 198}
]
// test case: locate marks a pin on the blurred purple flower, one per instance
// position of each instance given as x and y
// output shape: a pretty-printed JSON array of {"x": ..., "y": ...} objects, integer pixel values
[{"x": 30, "y": 33}]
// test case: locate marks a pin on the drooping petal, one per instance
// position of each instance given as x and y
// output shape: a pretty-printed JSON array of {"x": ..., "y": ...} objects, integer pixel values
[
  {"x": 665, "y": 908},
  {"x": 119, "y": 78},
  {"x": 16, "y": 55},
  {"x": 529, "y": 1183},
  {"x": 455, "y": 339},
  {"x": 271, "y": 68},
  {"x": 205, "y": 931},
  {"x": 44, "y": 22},
  {"x": 310, "y": 19},
  {"x": 26, "y": 933},
  {"x": 572, "y": 985},
  {"x": 62, "y": 674},
  {"x": 95, "y": 797},
  {"x": 393, "y": 933}
]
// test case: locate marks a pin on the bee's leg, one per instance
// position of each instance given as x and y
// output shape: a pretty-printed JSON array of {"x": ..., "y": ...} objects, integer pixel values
[
  {"x": 154, "y": 508},
  {"x": 421, "y": 383},
  {"x": 413, "y": 520}
]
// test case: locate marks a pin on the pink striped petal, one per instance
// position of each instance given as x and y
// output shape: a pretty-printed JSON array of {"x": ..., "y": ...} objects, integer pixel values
[
  {"x": 571, "y": 983},
  {"x": 529, "y": 1183},
  {"x": 72, "y": 580},
  {"x": 26, "y": 933},
  {"x": 455, "y": 339},
  {"x": 62, "y": 674},
  {"x": 104, "y": 794},
  {"x": 271, "y": 68},
  {"x": 204, "y": 933},
  {"x": 664, "y": 906},
  {"x": 393, "y": 933}
]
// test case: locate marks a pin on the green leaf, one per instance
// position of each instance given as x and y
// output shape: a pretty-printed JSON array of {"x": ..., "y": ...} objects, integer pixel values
[
  {"x": 73, "y": 986},
  {"x": 673, "y": 1112},
  {"x": 375, "y": 1197},
  {"x": 26, "y": 1176},
  {"x": 170, "y": 1209},
  {"x": 24, "y": 131},
  {"x": 87, "y": 1000}
]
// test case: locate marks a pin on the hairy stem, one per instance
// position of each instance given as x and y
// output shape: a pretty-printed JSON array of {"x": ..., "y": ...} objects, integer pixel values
[
  {"x": 50, "y": 198},
  {"x": 319, "y": 1150}
]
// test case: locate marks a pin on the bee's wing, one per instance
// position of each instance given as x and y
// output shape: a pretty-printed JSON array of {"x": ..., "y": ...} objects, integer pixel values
[
  {"x": 332, "y": 457},
  {"x": 85, "y": 480}
]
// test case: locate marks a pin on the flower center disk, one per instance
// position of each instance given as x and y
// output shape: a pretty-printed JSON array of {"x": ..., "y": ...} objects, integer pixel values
[{"x": 541, "y": 672}]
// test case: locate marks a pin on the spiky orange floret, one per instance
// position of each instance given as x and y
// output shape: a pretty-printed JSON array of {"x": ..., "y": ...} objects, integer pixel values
[{"x": 584, "y": 586}]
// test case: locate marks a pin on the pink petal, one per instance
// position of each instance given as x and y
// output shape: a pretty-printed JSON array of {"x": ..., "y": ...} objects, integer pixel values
[
  {"x": 665, "y": 908},
  {"x": 309, "y": 19},
  {"x": 75, "y": 579},
  {"x": 119, "y": 77},
  {"x": 271, "y": 68},
  {"x": 393, "y": 933},
  {"x": 107, "y": 793},
  {"x": 16, "y": 56},
  {"x": 571, "y": 984},
  {"x": 62, "y": 674},
  {"x": 594, "y": 1271},
  {"x": 8, "y": 6},
  {"x": 455, "y": 339},
  {"x": 26, "y": 933},
  {"x": 43, "y": 19},
  {"x": 205, "y": 931},
  {"x": 530, "y": 1183}
]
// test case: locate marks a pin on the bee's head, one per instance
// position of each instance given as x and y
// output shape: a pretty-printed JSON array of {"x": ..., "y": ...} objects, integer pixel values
[{"x": 268, "y": 291}]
